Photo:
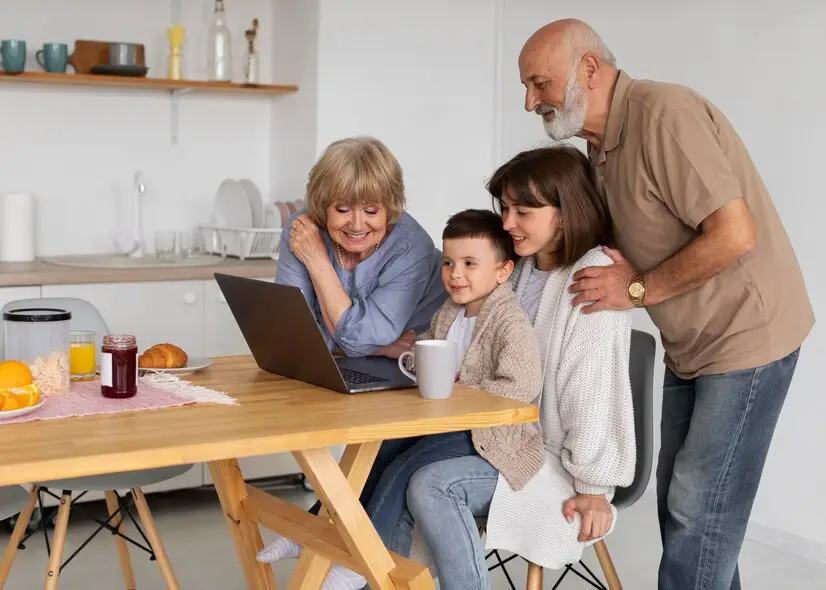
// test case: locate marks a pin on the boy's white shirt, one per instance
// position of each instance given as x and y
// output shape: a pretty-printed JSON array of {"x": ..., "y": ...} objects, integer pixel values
[{"x": 461, "y": 332}]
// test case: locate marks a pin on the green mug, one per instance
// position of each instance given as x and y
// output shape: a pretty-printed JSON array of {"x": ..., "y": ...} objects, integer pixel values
[
  {"x": 54, "y": 57},
  {"x": 13, "y": 55}
]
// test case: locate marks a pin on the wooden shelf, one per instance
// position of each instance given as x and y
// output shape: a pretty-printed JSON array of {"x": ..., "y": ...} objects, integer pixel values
[{"x": 144, "y": 83}]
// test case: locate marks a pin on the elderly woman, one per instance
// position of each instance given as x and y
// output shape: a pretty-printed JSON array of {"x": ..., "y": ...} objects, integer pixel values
[{"x": 369, "y": 271}]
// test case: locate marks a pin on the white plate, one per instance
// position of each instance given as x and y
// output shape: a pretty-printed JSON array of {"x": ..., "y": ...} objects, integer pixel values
[
  {"x": 255, "y": 200},
  {"x": 192, "y": 366},
  {"x": 21, "y": 411},
  {"x": 231, "y": 207}
]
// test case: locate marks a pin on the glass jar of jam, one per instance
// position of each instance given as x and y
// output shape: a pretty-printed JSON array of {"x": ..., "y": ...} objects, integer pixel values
[{"x": 119, "y": 366}]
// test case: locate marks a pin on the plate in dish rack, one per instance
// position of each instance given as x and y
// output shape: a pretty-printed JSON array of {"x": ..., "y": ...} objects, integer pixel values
[
  {"x": 193, "y": 365},
  {"x": 21, "y": 412}
]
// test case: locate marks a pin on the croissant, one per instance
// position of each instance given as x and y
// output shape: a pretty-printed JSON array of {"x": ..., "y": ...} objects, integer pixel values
[{"x": 163, "y": 356}]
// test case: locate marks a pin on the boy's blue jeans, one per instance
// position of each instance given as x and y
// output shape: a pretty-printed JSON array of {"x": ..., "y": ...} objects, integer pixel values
[
  {"x": 716, "y": 433},
  {"x": 385, "y": 491}
]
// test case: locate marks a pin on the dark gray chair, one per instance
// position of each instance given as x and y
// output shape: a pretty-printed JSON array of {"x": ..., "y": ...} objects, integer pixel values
[{"x": 641, "y": 369}]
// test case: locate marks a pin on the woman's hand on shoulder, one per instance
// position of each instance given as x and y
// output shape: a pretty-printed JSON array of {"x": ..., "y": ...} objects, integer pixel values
[
  {"x": 595, "y": 513},
  {"x": 306, "y": 241}
]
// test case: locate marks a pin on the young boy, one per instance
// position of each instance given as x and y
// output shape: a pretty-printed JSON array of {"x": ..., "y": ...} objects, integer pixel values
[{"x": 497, "y": 353}]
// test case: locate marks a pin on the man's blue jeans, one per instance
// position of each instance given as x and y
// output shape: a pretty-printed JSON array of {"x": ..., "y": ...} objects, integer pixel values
[{"x": 716, "y": 433}]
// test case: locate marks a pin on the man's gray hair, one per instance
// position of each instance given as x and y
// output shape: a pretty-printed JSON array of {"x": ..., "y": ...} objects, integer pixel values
[{"x": 582, "y": 39}]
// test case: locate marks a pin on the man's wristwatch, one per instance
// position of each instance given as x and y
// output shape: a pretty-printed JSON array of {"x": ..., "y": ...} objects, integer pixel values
[{"x": 636, "y": 291}]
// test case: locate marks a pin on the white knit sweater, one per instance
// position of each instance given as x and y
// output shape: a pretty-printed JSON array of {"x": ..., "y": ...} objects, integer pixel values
[
  {"x": 586, "y": 413},
  {"x": 587, "y": 421}
]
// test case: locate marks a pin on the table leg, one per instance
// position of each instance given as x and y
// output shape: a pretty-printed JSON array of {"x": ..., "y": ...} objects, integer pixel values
[
  {"x": 349, "y": 518},
  {"x": 355, "y": 464},
  {"x": 232, "y": 490}
]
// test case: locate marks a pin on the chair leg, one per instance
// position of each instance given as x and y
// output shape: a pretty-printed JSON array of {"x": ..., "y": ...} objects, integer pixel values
[
  {"x": 17, "y": 536},
  {"x": 154, "y": 539},
  {"x": 113, "y": 506},
  {"x": 535, "y": 577},
  {"x": 59, "y": 540},
  {"x": 607, "y": 565}
]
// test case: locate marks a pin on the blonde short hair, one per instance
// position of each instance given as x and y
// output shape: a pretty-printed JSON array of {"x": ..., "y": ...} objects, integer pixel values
[{"x": 355, "y": 171}]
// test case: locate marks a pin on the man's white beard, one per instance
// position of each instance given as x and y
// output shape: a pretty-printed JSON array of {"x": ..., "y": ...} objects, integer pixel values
[{"x": 569, "y": 121}]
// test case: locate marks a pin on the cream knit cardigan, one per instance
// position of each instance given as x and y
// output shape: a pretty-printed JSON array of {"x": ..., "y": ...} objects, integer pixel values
[
  {"x": 587, "y": 420},
  {"x": 586, "y": 412}
]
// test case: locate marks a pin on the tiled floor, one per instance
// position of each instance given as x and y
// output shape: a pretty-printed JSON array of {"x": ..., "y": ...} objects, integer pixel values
[{"x": 201, "y": 552}]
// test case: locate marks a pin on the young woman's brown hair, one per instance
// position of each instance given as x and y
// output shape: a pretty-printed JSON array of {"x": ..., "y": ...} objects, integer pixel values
[{"x": 559, "y": 176}]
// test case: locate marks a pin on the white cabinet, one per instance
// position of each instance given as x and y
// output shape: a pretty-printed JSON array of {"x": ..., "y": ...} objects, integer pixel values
[
  {"x": 154, "y": 311},
  {"x": 9, "y": 294},
  {"x": 222, "y": 335}
]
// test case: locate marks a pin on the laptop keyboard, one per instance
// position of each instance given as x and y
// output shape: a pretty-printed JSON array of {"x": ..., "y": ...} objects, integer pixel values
[{"x": 356, "y": 378}]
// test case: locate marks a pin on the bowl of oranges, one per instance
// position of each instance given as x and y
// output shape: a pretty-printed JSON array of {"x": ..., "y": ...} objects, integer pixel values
[{"x": 19, "y": 394}]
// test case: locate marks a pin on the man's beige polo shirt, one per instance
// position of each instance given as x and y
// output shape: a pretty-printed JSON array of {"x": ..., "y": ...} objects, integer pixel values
[{"x": 670, "y": 159}]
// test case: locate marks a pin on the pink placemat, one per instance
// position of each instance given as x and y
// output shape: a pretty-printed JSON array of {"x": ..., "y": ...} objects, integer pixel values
[{"x": 84, "y": 399}]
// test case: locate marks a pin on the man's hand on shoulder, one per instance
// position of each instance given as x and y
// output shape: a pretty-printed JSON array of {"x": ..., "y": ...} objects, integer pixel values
[{"x": 604, "y": 287}]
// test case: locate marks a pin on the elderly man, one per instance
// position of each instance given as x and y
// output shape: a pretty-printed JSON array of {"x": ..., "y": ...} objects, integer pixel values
[{"x": 702, "y": 248}]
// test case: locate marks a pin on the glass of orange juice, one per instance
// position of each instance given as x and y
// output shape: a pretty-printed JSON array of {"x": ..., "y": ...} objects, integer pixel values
[{"x": 82, "y": 354}]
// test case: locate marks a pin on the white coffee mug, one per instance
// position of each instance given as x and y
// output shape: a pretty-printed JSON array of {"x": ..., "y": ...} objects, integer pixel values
[{"x": 435, "y": 362}]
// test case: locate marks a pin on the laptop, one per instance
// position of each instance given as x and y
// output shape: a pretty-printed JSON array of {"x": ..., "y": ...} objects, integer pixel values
[{"x": 284, "y": 338}]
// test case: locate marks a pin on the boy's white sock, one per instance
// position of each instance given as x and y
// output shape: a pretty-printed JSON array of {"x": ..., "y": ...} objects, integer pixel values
[
  {"x": 281, "y": 548},
  {"x": 340, "y": 578}
]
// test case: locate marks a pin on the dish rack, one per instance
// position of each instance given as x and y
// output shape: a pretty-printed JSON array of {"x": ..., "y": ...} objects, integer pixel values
[{"x": 243, "y": 243}]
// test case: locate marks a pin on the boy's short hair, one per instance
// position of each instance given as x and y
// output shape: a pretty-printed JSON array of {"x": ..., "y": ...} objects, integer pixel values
[
  {"x": 479, "y": 223},
  {"x": 357, "y": 170}
]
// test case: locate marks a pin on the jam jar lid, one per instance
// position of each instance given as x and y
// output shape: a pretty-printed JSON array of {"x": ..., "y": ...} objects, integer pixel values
[
  {"x": 119, "y": 341},
  {"x": 37, "y": 314}
]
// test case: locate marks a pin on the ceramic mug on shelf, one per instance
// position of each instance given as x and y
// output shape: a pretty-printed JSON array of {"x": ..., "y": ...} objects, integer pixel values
[
  {"x": 13, "y": 55},
  {"x": 54, "y": 57}
]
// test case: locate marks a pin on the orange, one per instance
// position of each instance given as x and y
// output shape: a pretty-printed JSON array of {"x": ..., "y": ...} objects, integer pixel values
[
  {"x": 28, "y": 395},
  {"x": 11, "y": 403},
  {"x": 14, "y": 374}
]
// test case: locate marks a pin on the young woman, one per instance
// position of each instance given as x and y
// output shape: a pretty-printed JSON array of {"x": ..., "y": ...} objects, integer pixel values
[{"x": 558, "y": 223}]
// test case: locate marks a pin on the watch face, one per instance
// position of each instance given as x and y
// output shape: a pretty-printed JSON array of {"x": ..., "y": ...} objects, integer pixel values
[{"x": 636, "y": 290}]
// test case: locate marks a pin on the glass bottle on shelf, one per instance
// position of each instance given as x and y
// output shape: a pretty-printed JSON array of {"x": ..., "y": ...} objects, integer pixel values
[
  {"x": 251, "y": 57},
  {"x": 219, "y": 42}
]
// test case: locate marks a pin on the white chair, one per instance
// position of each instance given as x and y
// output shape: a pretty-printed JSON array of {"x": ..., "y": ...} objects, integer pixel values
[
  {"x": 86, "y": 317},
  {"x": 12, "y": 500}
]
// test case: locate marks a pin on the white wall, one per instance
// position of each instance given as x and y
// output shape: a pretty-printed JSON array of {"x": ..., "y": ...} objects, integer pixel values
[
  {"x": 755, "y": 61},
  {"x": 77, "y": 149},
  {"x": 417, "y": 75},
  {"x": 294, "y": 116}
]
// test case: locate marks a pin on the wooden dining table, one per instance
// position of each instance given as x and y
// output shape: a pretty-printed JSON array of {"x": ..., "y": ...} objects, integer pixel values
[{"x": 273, "y": 415}]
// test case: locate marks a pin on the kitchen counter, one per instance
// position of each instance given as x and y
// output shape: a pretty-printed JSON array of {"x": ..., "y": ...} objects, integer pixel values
[{"x": 39, "y": 272}]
